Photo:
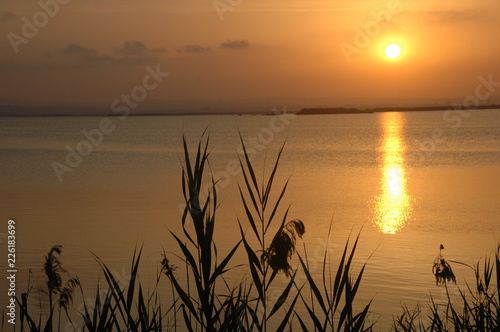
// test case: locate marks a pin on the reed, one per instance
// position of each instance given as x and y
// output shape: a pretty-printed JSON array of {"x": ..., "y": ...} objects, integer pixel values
[
  {"x": 206, "y": 301},
  {"x": 125, "y": 308},
  {"x": 54, "y": 286},
  {"x": 442, "y": 269},
  {"x": 114, "y": 308},
  {"x": 476, "y": 310},
  {"x": 200, "y": 307},
  {"x": 261, "y": 202},
  {"x": 335, "y": 295}
]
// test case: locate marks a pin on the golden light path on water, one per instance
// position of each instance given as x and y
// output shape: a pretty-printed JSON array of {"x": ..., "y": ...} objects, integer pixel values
[{"x": 393, "y": 204}]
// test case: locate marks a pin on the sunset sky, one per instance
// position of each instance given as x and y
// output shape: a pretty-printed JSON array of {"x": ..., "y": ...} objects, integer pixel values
[{"x": 241, "y": 49}]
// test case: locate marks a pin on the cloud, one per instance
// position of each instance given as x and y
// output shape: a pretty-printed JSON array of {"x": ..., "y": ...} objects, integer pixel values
[
  {"x": 131, "y": 53},
  {"x": 83, "y": 54},
  {"x": 438, "y": 16},
  {"x": 235, "y": 44},
  {"x": 193, "y": 48},
  {"x": 7, "y": 16},
  {"x": 137, "y": 48},
  {"x": 73, "y": 49}
]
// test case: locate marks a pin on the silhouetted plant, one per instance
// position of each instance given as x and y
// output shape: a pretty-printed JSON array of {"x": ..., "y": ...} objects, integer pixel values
[
  {"x": 120, "y": 309},
  {"x": 330, "y": 307},
  {"x": 334, "y": 296},
  {"x": 125, "y": 308},
  {"x": 260, "y": 211},
  {"x": 479, "y": 309},
  {"x": 408, "y": 321},
  {"x": 202, "y": 308},
  {"x": 442, "y": 269},
  {"x": 53, "y": 269},
  {"x": 283, "y": 246}
]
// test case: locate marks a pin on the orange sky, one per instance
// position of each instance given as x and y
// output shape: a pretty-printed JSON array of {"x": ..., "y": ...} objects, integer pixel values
[{"x": 96, "y": 50}]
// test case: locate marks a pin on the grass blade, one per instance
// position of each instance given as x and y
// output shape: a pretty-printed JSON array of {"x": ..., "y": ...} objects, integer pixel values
[
  {"x": 250, "y": 217},
  {"x": 189, "y": 257},
  {"x": 285, "y": 320},
  {"x": 313, "y": 286},
  {"x": 269, "y": 185},
  {"x": 283, "y": 296},
  {"x": 220, "y": 268},
  {"x": 250, "y": 169}
]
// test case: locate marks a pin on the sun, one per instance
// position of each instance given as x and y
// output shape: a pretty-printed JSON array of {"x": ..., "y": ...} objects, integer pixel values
[{"x": 392, "y": 51}]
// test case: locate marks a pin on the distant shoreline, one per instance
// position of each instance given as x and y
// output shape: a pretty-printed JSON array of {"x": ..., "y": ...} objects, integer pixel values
[
  {"x": 342, "y": 110},
  {"x": 17, "y": 111},
  {"x": 113, "y": 114}
]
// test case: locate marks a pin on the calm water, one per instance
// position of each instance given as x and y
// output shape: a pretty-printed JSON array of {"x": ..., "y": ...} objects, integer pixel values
[{"x": 411, "y": 181}]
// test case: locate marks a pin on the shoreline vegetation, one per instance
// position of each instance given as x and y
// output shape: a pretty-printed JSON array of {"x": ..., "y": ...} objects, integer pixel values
[
  {"x": 56, "y": 111},
  {"x": 197, "y": 295},
  {"x": 342, "y": 110}
]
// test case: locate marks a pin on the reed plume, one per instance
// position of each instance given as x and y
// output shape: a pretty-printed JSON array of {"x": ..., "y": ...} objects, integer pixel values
[
  {"x": 283, "y": 246},
  {"x": 442, "y": 269},
  {"x": 53, "y": 270}
]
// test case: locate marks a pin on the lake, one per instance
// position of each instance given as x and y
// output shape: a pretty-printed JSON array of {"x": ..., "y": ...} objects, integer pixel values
[{"x": 409, "y": 181}]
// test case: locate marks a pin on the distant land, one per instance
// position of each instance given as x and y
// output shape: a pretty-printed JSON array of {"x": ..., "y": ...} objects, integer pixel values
[
  {"x": 270, "y": 106},
  {"x": 342, "y": 110},
  {"x": 10, "y": 110}
]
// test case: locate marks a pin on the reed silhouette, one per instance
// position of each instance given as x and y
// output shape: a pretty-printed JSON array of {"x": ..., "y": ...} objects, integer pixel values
[
  {"x": 202, "y": 299},
  {"x": 478, "y": 307},
  {"x": 55, "y": 285},
  {"x": 201, "y": 308},
  {"x": 283, "y": 246},
  {"x": 442, "y": 269}
]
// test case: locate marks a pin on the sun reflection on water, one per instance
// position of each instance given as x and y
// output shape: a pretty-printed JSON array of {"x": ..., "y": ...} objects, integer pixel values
[{"x": 393, "y": 204}]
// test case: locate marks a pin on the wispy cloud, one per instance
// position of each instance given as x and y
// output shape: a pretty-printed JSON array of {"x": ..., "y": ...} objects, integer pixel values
[
  {"x": 131, "y": 53},
  {"x": 137, "y": 48},
  {"x": 193, "y": 48},
  {"x": 235, "y": 44}
]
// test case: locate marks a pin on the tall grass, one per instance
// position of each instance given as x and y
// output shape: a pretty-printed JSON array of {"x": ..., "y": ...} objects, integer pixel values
[
  {"x": 114, "y": 308},
  {"x": 201, "y": 297},
  {"x": 478, "y": 308},
  {"x": 335, "y": 294},
  {"x": 261, "y": 214},
  {"x": 197, "y": 303},
  {"x": 54, "y": 286},
  {"x": 201, "y": 307},
  {"x": 124, "y": 308}
]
